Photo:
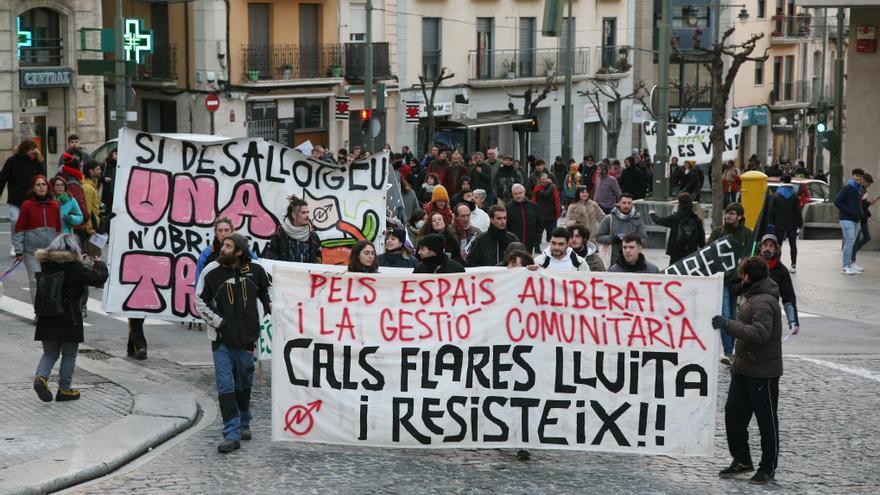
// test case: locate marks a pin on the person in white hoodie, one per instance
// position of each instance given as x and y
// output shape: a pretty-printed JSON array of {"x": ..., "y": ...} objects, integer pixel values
[{"x": 559, "y": 256}]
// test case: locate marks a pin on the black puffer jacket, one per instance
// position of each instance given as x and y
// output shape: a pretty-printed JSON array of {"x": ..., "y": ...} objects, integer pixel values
[
  {"x": 488, "y": 248},
  {"x": 226, "y": 299},
  {"x": 673, "y": 249},
  {"x": 758, "y": 332},
  {"x": 439, "y": 264},
  {"x": 17, "y": 174},
  {"x": 395, "y": 259},
  {"x": 69, "y": 326}
]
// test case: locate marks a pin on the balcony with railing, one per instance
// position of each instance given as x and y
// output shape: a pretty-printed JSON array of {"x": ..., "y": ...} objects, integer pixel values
[
  {"x": 499, "y": 65},
  {"x": 791, "y": 29},
  {"x": 356, "y": 62},
  {"x": 159, "y": 66},
  {"x": 614, "y": 61},
  {"x": 40, "y": 52},
  {"x": 690, "y": 97},
  {"x": 785, "y": 94},
  {"x": 271, "y": 63}
]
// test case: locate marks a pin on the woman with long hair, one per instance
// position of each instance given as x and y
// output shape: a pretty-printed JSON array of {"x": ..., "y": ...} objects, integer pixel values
[
  {"x": 436, "y": 224},
  {"x": 17, "y": 173},
  {"x": 584, "y": 211},
  {"x": 70, "y": 214},
  {"x": 61, "y": 334},
  {"x": 39, "y": 221},
  {"x": 731, "y": 182},
  {"x": 362, "y": 258}
]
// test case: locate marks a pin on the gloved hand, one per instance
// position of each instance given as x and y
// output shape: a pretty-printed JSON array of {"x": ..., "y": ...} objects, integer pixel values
[{"x": 719, "y": 322}]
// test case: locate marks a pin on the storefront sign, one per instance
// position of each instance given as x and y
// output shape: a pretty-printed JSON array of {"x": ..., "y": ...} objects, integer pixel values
[
  {"x": 591, "y": 115},
  {"x": 440, "y": 109},
  {"x": 137, "y": 41},
  {"x": 783, "y": 122},
  {"x": 750, "y": 116},
  {"x": 697, "y": 117},
  {"x": 5, "y": 121},
  {"x": 46, "y": 78}
]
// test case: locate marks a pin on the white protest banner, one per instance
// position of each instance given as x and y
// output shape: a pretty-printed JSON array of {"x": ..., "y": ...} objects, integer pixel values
[
  {"x": 496, "y": 358},
  {"x": 691, "y": 142},
  {"x": 168, "y": 192}
]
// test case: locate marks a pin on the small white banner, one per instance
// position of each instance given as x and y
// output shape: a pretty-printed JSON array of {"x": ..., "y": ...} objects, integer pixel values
[{"x": 691, "y": 142}]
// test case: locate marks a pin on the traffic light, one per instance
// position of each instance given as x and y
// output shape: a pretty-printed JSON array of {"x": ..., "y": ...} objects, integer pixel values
[
  {"x": 532, "y": 126},
  {"x": 552, "y": 24},
  {"x": 827, "y": 137},
  {"x": 366, "y": 118}
]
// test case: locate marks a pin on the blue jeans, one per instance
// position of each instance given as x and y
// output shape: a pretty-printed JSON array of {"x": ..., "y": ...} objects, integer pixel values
[
  {"x": 864, "y": 238},
  {"x": 234, "y": 374},
  {"x": 51, "y": 351},
  {"x": 728, "y": 310},
  {"x": 849, "y": 230}
]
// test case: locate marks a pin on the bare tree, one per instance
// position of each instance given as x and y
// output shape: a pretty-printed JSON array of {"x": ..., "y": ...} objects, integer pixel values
[
  {"x": 611, "y": 123},
  {"x": 434, "y": 84},
  {"x": 530, "y": 107},
  {"x": 713, "y": 59},
  {"x": 690, "y": 97}
]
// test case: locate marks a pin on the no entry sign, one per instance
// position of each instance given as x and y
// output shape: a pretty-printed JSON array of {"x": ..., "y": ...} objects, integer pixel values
[{"x": 212, "y": 103}]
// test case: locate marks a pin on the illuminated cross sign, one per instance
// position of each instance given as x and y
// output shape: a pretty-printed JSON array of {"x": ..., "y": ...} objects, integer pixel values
[
  {"x": 137, "y": 41},
  {"x": 25, "y": 38}
]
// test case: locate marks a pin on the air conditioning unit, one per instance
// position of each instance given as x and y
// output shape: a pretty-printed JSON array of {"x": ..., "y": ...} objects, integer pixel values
[{"x": 463, "y": 111}]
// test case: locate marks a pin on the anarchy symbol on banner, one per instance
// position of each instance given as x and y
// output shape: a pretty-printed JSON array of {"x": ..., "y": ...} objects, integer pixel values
[{"x": 299, "y": 420}]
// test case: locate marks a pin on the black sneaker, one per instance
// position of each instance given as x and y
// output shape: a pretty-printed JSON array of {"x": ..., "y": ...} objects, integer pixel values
[
  {"x": 734, "y": 469},
  {"x": 140, "y": 355},
  {"x": 227, "y": 446},
  {"x": 761, "y": 477},
  {"x": 246, "y": 433},
  {"x": 41, "y": 386},
  {"x": 64, "y": 394},
  {"x": 523, "y": 455}
]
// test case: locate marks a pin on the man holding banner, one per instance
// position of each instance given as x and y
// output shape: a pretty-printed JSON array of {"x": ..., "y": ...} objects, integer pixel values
[{"x": 227, "y": 295}]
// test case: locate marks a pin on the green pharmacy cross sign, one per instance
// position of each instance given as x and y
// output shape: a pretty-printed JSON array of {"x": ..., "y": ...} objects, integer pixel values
[
  {"x": 25, "y": 38},
  {"x": 136, "y": 41}
]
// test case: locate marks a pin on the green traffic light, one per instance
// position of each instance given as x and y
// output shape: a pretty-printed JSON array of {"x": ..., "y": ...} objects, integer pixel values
[{"x": 821, "y": 127}]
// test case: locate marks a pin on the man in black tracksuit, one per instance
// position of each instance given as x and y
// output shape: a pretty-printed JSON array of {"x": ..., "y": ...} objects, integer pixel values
[
  {"x": 784, "y": 215},
  {"x": 755, "y": 372},
  {"x": 227, "y": 295}
]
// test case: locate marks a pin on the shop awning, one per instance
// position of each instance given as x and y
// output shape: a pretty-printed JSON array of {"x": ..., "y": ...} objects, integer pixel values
[{"x": 488, "y": 119}]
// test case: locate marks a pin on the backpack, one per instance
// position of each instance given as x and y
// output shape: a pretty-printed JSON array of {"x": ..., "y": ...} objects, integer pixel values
[
  {"x": 574, "y": 261},
  {"x": 687, "y": 234},
  {"x": 49, "y": 298}
]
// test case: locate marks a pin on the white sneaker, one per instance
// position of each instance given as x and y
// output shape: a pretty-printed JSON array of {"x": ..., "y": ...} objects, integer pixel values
[
  {"x": 849, "y": 271},
  {"x": 793, "y": 269},
  {"x": 857, "y": 268}
]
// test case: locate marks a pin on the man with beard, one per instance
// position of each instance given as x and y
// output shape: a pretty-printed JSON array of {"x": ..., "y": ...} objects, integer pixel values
[
  {"x": 223, "y": 228},
  {"x": 589, "y": 169},
  {"x": 489, "y": 247},
  {"x": 395, "y": 254},
  {"x": 772, "y": 253},
  {"x": 505, "y": 179},
  {"x": 524, "y": 219},
  {"x": 632, "y": 260},
  {"x": 432, "y": 253},
  {"x": 734, "y": 226},
  {"x": 462, "y": 231},
  {"x": 586, "y": 249},
  {"x": 622, "y": 220},
  {"x": 559, "y": 256},
  {"x": 295, "y": 240},
  {"x": 227, "y": 296}
]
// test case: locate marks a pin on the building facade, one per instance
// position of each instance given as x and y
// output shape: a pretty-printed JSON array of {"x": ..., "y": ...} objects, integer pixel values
[{"x": 41, "y": 95}]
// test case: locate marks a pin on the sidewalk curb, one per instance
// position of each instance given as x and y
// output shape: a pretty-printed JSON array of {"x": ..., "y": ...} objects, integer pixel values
[{"x": 155, "y": 418}]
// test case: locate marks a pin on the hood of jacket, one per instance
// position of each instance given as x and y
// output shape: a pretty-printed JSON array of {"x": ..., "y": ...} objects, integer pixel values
[
  {"x": 786, "y": 191},
  {"x": 763, "y": 286},
  {"x": 45, "y": 256}
]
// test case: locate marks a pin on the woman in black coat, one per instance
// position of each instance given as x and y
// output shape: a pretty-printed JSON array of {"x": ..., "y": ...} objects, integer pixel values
[{"x": 62, "y": 334}]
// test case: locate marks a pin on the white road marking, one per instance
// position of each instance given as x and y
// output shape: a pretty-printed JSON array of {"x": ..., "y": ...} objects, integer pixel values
[
  {"x": 21, "y": 308},
  {"x": 807, "y": 315},
  {"x": 94, "y": 306},
  {"x": 862, "y": 372}
]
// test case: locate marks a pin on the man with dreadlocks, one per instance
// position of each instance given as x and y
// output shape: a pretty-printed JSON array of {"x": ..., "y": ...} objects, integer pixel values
[{"x": 295, "y": 240}]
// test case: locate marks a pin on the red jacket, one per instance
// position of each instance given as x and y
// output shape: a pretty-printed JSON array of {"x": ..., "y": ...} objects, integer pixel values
[{"x": 38, "y": 223}]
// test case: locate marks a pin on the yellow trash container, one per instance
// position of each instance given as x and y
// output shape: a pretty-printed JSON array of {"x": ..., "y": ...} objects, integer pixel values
[{"x": 754, "y": 189}]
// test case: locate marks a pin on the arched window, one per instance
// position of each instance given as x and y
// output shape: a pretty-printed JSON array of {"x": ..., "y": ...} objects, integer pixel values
[{"x": 39, "y": 37}]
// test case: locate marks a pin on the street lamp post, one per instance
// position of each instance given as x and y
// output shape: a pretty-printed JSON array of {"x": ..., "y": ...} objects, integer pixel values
[
  {"x": 368, "y": 77},
  {"x": 661, "y": 157},
  {"x": 566, "y": 112}
]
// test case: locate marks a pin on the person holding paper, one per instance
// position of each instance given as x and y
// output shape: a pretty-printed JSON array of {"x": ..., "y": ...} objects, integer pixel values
[{"x": 227, "y": 295}]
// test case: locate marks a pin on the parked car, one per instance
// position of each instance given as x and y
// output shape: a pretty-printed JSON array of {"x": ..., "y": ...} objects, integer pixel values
[{"x": 811, "y": 190}]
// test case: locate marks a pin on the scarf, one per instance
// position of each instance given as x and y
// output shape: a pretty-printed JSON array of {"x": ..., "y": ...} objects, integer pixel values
[{"x": 297, "y": 233}]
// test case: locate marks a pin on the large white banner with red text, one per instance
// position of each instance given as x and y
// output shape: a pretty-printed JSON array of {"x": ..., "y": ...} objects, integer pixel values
[
  {"x": 500, "y": 358},
  {"x": 168, "y": 192}
]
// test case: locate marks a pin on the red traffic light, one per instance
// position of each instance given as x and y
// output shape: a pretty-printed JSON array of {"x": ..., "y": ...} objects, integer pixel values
[{"x": 366, "y": 115}]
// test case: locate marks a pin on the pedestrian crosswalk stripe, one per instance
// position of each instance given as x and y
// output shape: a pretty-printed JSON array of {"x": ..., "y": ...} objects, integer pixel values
[
  {"x": 853, "y": 370},
  {"x": 20, "y": 308},
  {"x": 801, "y": 314},
  {"x": 94, "y": 306}
]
